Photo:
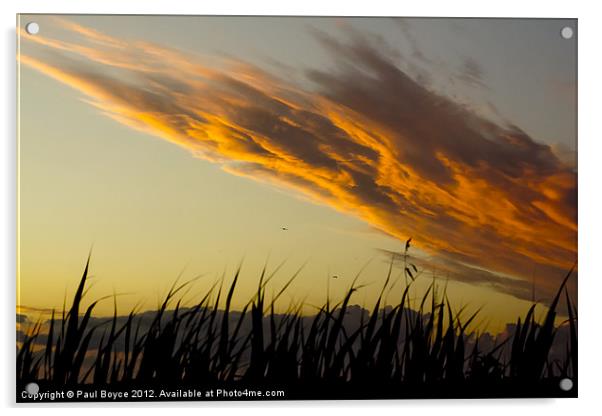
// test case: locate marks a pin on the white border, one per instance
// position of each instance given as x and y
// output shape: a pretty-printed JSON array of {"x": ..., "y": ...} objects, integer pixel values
[{"x": 590, "y": 208}]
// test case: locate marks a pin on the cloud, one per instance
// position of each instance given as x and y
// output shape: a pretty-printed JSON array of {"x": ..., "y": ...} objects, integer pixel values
[
  {"x": 446, "y": 268},
  {"x": 366, "y": 139},
  {"x": 567, "y": 155},
  {"x": 29, "y": 311},
  {"x": 471, "y": 73},
  {"x": 22, "y": 318},
  {"x": 415, "y": 49}
]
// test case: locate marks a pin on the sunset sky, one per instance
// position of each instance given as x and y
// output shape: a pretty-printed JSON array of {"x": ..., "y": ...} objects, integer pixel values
[{"x": 171, "y": 145}]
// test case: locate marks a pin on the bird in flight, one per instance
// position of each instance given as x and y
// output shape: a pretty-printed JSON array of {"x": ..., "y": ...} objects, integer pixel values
[
  {"x": 335, "y": 277},
  {"x": 284, "y": 229}
]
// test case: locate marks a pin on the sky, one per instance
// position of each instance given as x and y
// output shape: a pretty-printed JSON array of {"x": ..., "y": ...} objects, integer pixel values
[{"x": 182, "y": 146}]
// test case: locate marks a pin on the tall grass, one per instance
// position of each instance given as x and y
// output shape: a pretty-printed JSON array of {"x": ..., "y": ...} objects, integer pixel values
[{"x": 421, "y": 347}]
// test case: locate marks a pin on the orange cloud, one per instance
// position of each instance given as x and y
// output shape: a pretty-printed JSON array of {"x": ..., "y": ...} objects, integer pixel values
[{"x": 371, "y": 142}]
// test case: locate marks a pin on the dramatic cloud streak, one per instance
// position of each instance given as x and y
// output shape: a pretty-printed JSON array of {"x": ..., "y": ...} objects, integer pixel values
[{"x": 367, "y": 139}]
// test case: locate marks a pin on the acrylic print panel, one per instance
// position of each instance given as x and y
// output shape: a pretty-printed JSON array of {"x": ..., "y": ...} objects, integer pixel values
[{"x": 279, "y": 208}]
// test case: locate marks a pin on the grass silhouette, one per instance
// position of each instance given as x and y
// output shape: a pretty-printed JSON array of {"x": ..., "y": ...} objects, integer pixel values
[{"x": 404, "y": 351}]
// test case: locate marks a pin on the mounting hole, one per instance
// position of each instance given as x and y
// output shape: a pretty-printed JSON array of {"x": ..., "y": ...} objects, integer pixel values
[
  {"x": 32, "y": 388},
  {"x": 566, "y": 32},
  {"x": 566, "y": 384},
  {"x": 32, "y": 28}
]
